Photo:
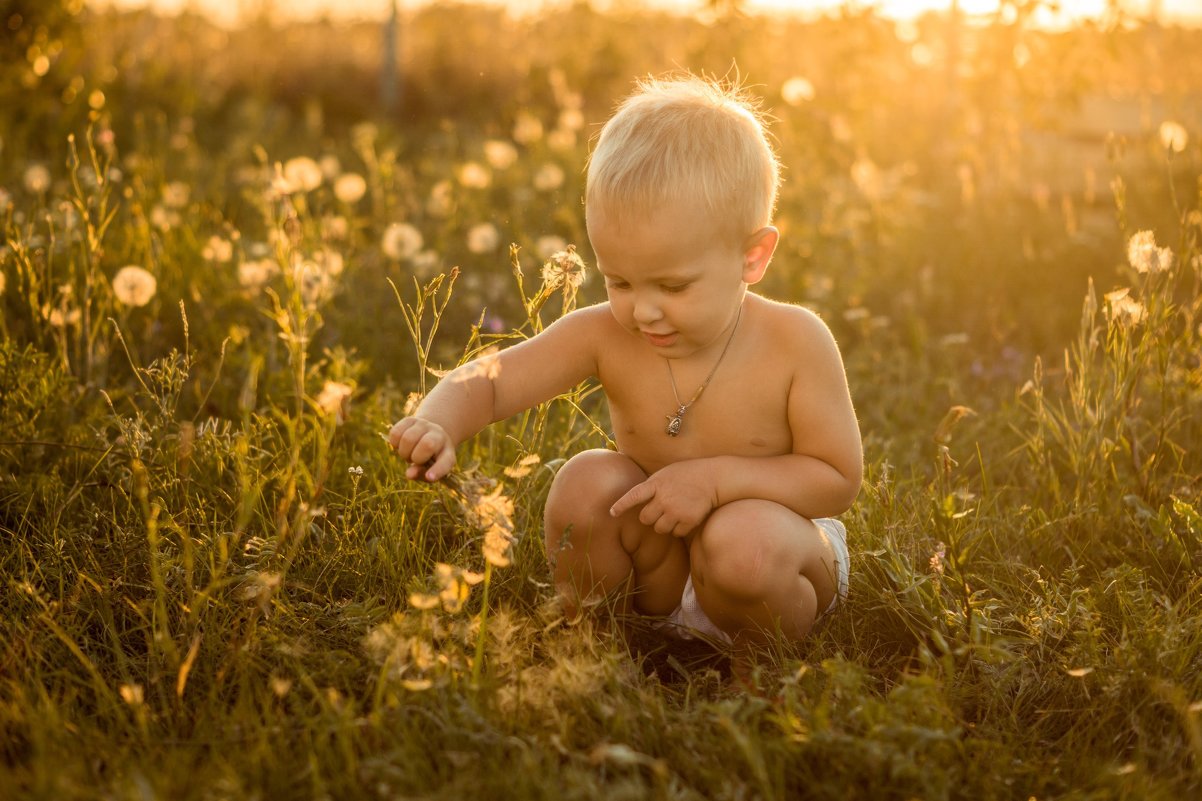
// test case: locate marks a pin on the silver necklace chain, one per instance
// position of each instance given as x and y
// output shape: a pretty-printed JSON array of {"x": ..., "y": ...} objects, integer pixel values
[{"x": 675, "y": 421}]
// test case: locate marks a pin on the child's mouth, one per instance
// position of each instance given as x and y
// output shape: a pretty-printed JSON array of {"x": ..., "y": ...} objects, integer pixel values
[{"x": 659, "y": 340}]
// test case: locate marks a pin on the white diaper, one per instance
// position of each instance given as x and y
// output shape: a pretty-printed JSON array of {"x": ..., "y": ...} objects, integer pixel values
[{"x": 689, "y": 620}]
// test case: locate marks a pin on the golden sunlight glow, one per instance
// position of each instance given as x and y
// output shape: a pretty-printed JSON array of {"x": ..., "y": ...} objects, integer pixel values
[{"x": 230, "y": 12}]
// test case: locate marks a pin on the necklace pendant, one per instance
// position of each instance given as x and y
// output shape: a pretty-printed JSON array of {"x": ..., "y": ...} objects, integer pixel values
[{"x": 675, "y": 421}]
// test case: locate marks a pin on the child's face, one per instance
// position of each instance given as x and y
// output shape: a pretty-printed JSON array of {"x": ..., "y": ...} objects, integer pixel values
[{"x": 673, "y": 278}]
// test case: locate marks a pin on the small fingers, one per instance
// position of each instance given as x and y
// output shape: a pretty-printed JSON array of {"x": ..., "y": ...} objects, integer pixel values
[{"x": 639, "y": 493}]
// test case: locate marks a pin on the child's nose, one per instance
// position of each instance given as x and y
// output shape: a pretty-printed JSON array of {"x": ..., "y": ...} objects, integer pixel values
[{"x": 646, "y": 310}]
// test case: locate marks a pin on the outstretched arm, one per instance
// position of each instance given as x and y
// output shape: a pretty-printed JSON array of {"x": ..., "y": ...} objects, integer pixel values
[{"x": 495, "y": 387}]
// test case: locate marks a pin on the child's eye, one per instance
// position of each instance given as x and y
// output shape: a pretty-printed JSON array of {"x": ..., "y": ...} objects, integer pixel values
[
  {"x": 613, "y": 284},
  {"x": 674, "y": 288}
]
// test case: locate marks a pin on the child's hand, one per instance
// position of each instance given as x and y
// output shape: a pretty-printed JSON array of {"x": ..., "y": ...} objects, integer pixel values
[
  {"x": 425, "y": 445},
  {"x": 676, "y": 499}
]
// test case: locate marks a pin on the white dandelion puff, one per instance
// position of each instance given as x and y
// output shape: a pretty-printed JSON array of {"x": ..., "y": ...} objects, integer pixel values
[
  {"x": 350, "y": 187},
  {"x": 500, "y": 154},
  {"x": 474, "y": 175},
  {"x": 549, "y": 177},
  {"x": 797, "y": 90},
  {"x": 1173, "y": 136},
  {"x": 37, "y": 178},
  {"x": 483, "y": 238},
  {"x": 302, "y": 174},
  {"x": 255, "y": 274},
  {"x": 1145, "y": 256},
  {"x": 401, "y": 241},
  {"x": 1124, "y": 309},
  {"x": 134, "y": 286}
]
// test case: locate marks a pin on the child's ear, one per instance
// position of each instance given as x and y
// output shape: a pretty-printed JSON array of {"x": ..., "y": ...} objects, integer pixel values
[{"x": 757, "y": 252}]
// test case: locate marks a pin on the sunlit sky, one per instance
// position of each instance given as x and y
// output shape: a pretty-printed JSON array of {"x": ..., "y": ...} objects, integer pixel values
[{"x": 230, "y": 11}]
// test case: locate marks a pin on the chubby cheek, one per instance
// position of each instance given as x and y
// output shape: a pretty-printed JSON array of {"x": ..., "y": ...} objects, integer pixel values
[{"x": 622, "y": 310}]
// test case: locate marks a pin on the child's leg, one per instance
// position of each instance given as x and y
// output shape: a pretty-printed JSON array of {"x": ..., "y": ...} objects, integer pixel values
[
  {"x": 759, "y": 567},
  {"x": 592, "y": 554}
]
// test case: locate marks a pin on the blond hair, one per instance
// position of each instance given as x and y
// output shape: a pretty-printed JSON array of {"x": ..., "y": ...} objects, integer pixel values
[{"x": 691, "y": 139}]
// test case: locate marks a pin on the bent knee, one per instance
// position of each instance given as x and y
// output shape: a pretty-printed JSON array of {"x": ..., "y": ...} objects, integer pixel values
[
  {"x": 592, "y": 480},
  {"x": 746, "y": 548}
]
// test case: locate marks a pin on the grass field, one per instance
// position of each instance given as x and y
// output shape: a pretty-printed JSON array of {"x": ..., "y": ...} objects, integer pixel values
[{"x": 226, "y": 269}]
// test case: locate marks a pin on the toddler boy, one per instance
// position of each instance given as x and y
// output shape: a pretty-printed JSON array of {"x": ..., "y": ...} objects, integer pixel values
[{"x": 736, "y": 438}]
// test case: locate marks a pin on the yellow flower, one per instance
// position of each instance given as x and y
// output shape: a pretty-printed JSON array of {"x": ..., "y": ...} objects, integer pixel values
[
  {"x": 350, "y": 188},
  {"x": 1145, "y": 257},
  {"x": 134, "y": 286}
]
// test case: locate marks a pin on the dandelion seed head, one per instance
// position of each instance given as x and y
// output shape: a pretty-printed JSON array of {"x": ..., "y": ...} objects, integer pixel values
[
  {"x": 500, "y": 154},
  {"x": 329, "y": 261},
  {"x": 549, "y": 177},
  {"x": 473, "y": 175},
  {"x": 1173, "y": 136},
  {"x": 302, "y": 174},
  {"x": 37, "y": 178},
  {"x": 483, "y": 238},
  {"x": 333, "y": 398},
  {"x": 176, "y": 194},
  {"x": 401, "y": 241},
  {"x": 442, "y": 199},
  {"x": 564, "y": 269},
  {"x": 797, "y": 90},
  {"x": 330, "y": 166},
  {"x": 350, "y": 187},
  {"x": 1124, "y": 309},
  {"x": 255, "y": 274},
  {"x": 218, "y": 249},
  {"x": 134, "y": 286},
  {"x": 334, "y": 227},
  {"x": 1145, "y": 256},
  {"x": 527, "y": 128}
]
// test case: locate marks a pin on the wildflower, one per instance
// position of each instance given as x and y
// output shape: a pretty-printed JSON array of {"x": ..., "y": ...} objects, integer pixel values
[
  {"x": 254, "y": 274},
  {"x": 797, "y": 90},
  {"x": 58, "y": 319},
  {"x": 134, "y": 286},
  {"x": 401, "y": 241},
  {"x": 500, "y": 154},
  {"x": 494, "y": 514},
  {"x": 176, "y": 194},
  {"x": 936, "y": 562},
  {"x": 483, "y": 238},
  {"x": 473, "y": 175},
  {"x": 524, "y": 466},
  {"x": 280, "y": 686},
  {"x": 350, "y": 187},
  {"x": 1124, "y": 309},
  {"x": 302, "y": 174},
  {"x": 218, "y": 249},
  {"x": 356, "y": 470},
  {"x": 549, "y": 177},
  {"x": 442, "y": 199},
  {"x": 164, "y": 218},
  {"x": 37, "y": 178},
  {"x": 333, "y": 397},
  {"x": 564, "y": 269},
  {"x": 1173, "y": 136},
  {"x": 547, "y": 246},
  {"x": 1145, "y": 257},
  {"x": 527, "y": 128}
]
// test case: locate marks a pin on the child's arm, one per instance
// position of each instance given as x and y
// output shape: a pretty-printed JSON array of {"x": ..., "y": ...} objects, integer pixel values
[
  {"x": 820, "y": 478},
  {"x": 495, "y": 387}
]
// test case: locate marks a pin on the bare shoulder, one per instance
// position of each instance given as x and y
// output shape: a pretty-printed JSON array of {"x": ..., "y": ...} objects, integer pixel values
[{"x": 797, "y": 330}]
